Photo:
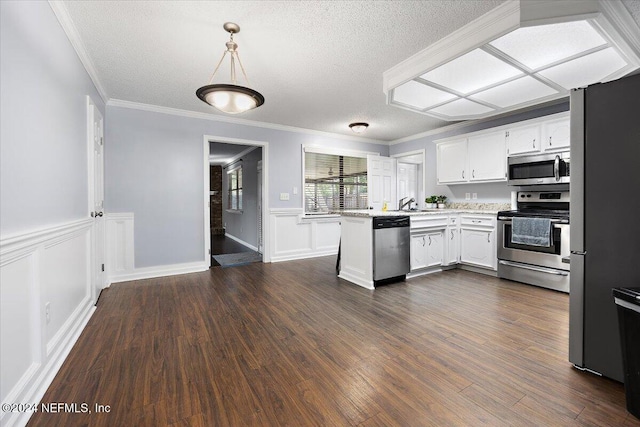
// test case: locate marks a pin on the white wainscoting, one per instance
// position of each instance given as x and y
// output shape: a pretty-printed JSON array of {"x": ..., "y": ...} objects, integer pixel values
[
  {"x": 119, "y": 242},
  {"x": 49, "y": 266},
  {"x": 294, "y": 236},
  {"x": 120, "y": 263}
]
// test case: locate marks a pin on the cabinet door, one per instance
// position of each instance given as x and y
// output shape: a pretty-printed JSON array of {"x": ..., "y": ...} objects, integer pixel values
[
  {"x": 487, "y": 157},
  {"x": 452, "y": 161},
  {"x": 555, "y": 134},
  {"x": 478, "y": 248},
  {"x": 435, "y": 248},
  {"x": 524, "y": 139},
  {"x": 418, "y": 251},
  {"x": 452, "y": 238}
]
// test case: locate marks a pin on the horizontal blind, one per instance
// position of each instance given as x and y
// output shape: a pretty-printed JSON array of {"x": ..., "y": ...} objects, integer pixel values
[{"x": 334, "y": 182}]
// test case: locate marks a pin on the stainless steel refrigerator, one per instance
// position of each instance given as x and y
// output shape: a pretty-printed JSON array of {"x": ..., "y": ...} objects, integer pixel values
[{"x": 604, "y": 218}]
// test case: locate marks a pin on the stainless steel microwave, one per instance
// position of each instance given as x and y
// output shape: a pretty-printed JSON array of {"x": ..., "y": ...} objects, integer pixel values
[{"x": 550, "y": 168}]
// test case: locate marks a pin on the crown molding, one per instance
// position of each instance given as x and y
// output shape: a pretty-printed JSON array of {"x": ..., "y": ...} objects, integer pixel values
[
  {"x": 69, "y": 28},
  {"x": 217, "y": 118}
]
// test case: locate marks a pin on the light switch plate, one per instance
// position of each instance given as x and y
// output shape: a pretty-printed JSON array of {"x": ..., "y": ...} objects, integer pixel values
[
  {"x": 474, "y": 196},
  {"x": 295, "y": 190},
  {"x": 284, "y": 196},
  {"x": 467, "y": 196}
]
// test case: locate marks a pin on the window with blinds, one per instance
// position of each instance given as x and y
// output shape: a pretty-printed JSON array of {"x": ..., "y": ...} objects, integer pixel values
[
  {"x": 334, "y": 182},
  {"x": 234, "y": 201}
]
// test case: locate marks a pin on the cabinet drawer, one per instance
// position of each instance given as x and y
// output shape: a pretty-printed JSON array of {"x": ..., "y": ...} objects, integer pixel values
[
  {"x": 478, "y": 221},
  {"x": 429, "y": 221}
]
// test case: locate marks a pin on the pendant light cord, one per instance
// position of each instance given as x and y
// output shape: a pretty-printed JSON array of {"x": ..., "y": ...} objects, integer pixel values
[{"x": 231, "y": 48}]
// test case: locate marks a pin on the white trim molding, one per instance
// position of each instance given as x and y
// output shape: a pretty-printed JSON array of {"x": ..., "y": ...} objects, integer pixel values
[
  {"x": 61, "y": 12},
  {"x": 45, "y": 281},
  {"x": 242, "y": 242},
  {"x": 161, "y": 271},
  {"x": 227, "y": 119}
]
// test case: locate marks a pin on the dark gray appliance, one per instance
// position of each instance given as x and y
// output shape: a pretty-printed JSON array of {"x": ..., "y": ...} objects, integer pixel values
[
  {"x": 391, "y": 245},
  {"x": 605, "y": 230},
  {"x": 541, "y": 265},
  {"x": 548, "y": 168}
]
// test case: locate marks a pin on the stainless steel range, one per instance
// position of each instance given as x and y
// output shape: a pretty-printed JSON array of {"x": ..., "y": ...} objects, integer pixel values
[{"x": 541, "y": 259}]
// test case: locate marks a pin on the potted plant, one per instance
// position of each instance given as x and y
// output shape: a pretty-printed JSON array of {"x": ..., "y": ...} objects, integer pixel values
[
  {"x": 431, "y": 202},
  {"x": 441, "y": 201}
]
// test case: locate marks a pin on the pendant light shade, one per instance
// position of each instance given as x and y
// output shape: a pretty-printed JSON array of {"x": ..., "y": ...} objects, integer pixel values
[{"x": 230, "y": 98}]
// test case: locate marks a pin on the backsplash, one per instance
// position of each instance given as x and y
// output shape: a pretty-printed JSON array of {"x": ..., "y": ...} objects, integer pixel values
[{"x": 480, "y": 206}]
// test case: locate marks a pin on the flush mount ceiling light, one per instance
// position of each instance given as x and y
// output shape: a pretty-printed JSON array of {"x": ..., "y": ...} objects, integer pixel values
[
  {"x": 359, "y": 127},
  {"x": 519, "y": 54},
  {"x": 230, "y": 98}
]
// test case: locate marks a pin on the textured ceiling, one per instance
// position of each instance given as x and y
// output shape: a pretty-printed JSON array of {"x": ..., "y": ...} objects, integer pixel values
[{"x": 319, "y": 64}]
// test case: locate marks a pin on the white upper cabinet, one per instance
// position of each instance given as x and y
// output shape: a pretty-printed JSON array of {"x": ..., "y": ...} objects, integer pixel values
[
  {"x": 556, "y": 134},
  {"x": 523, "y": 139},
  {"x": 487, "y": 157},
  {"x": 452, "y": 162}
]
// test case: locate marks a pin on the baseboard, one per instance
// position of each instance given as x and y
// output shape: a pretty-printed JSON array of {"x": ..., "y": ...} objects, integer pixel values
[
  {"x": 479, "y": 270},
  {"x": 242, "y": 242},
  {"x": 160, "y": 271},
  {"x": 303, "y": 255}
]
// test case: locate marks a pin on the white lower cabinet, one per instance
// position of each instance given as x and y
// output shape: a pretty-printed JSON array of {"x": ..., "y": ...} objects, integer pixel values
[
  {"x": 427, "y": 249},
  {"x": 478, "y": 241},
  {"x": 452, "y": 237}
]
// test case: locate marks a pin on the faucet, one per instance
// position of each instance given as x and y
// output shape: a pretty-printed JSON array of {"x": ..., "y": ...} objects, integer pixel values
[{"x": 402, "y": 205}]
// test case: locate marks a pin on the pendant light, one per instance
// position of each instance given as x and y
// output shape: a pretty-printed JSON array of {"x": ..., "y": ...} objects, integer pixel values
[{"x": 230, "y": 98}]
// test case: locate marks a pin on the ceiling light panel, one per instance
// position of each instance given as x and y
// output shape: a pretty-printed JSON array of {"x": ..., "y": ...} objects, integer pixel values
[
  {"x": 586, "y": 70},
  {"x": 472, "y": 71},
  {"x": 461, "y": 107},
  {"x": 420, "y": 95},
  {"x": 515, "y": 92},
  {"x": 540, "y": 46}
]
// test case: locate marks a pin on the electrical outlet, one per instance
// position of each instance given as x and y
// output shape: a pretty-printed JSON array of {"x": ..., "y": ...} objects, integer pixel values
[
  {"x": 467, "y": 196},
  {"x": 284, "y": 196},
  {"x": 474, "y": 196},
  {"x": 295, "y": 190},
  {"x": 47, "y": 312}
]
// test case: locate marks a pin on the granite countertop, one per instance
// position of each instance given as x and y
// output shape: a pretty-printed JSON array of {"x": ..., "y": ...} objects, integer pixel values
[{"x": 452, "y": 208}]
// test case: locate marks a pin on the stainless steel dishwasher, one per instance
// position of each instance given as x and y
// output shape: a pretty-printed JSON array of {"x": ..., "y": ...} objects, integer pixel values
[{"x": 391, "y": 245}]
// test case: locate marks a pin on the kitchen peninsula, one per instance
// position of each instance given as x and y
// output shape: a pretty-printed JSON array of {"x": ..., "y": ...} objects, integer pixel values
[{"x": 438, "y": 239}]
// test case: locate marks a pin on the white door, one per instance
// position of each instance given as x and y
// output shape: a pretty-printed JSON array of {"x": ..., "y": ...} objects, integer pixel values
[
  {"x": 381, "y": 182},
  {"x": 260, "y": 206},
  {"x": 96, "y": 195}
]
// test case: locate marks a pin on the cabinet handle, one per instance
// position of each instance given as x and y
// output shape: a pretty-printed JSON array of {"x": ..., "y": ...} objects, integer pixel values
[
  {"x": 429, "y": 240},
  {"x": 549, "y": 141},
  {"x": 476, "y": 221},
  {"x": 473, "y": 173},
  {"x": 451, "y": 234},
  {"x": 534, "y": 143},
  {"x": 423, "y": 241},
  {"x": 462, "y": 174},
  {"x": 488, "y": 237}
]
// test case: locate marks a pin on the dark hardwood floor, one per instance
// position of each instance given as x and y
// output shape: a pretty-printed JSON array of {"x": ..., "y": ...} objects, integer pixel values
[
  {"x": 291, "y": 344},
  {"x": 221, "y": 244}
]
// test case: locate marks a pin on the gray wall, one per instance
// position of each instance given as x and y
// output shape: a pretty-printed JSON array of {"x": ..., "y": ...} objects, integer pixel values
[
  {"x": 245, "y": 225},
  {"x": 498, "y": 192},
  {"x": 154, "y": 166},
  {"x": 43, "y": 137}
]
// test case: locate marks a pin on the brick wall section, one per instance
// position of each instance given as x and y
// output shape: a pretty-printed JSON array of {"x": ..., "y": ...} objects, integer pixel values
[{"x": 215, "y": 182}]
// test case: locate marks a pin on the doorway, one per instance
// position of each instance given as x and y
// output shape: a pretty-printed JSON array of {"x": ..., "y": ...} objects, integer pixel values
[
  {"x": 235, "y": 200},
  {"x": 410, "y": 176}
]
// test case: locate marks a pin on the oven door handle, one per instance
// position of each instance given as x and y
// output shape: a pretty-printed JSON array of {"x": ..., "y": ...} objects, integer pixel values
[
  {"x": 554, "y": 221},
  {"x": 556, "y": 168},
  {"x": 533, "y": 268}
]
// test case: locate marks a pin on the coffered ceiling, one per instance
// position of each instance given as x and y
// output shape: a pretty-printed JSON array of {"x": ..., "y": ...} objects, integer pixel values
[{"x": 319, "y": 64}]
